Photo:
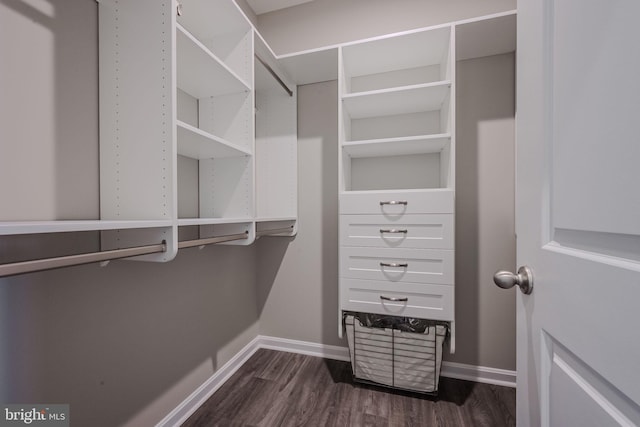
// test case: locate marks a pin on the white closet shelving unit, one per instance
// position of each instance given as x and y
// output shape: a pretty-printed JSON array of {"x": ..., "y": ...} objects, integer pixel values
[
  {"x": 176, "y": 115},
  {"x": 215, "y": 122},
  {"x": 397, "y": 173},
  {"x": 178, "y": 133},
  {"x": 235, "y": 162}
]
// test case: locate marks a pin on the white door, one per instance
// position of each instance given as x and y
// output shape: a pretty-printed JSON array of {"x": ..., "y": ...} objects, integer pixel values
[{"x": 578, "y": 212}]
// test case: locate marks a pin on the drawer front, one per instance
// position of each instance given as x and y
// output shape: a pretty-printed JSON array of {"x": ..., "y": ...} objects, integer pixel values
[
  {"x": 434, "y": 266},
  {"x": 397, "y": 203},
  {"x": 419, "y": 231},
  {"x": 412, "y": 299}
]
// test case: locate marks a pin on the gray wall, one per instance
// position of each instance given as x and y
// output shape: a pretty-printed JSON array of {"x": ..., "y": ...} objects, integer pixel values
[
  {"x": 326, "y": 22},
  {"x": 298, "y": 290},
  {"x": 123, "y": 344},
  {"x": 485, "y": 215}
]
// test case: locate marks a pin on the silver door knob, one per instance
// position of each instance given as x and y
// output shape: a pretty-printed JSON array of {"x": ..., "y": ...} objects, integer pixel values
[{"x": 507, "y": 280}]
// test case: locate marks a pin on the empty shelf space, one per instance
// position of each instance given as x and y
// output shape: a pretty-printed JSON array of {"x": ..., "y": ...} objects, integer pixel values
[
  {"x": 198, "y": 144},
  {"x": 63, "y": 226},
  {"x": 200, "y": 73},
  {"x": 421, "y": 144},
  {"x": 404, "y": 100},
  {"x": 417, "y": 57}
]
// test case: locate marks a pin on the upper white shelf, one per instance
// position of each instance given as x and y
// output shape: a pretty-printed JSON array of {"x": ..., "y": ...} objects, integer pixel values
[
  {"x": 208, "y": 19},
  {"x": 63, "y": 226},
  {"x": 198, "y": 144},
  {"x": 395, "y": 52},
  {"x": 421, "y": 144},
  {"x": 404, "y": 100},
  {"x": 200, "y": 73}
]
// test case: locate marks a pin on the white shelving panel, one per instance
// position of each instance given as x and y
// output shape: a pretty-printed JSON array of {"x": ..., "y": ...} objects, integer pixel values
[
  {"x": 276, "y": 144},
  {"x": 137, "y": 121}
]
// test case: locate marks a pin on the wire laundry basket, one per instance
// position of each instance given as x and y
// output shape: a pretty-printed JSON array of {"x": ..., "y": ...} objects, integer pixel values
[{"x": 396, "y": 358}]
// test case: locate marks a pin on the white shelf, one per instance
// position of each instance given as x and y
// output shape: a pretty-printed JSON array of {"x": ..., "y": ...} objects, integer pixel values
[
  {"x": 394, "y": 52},
  {"x": 313, "y": 66},
  {"x": 200, "y": 73},
  {"x": 400, "y": 191},
  {"x": 212, "y": 221},
  {"x": 421, "y": 144},
  {"x": 404, "y": 100},
  {"x": 198, "y": 144},
  {"x": 208, "y": 19},
  {"x": 63, "y": 226}
]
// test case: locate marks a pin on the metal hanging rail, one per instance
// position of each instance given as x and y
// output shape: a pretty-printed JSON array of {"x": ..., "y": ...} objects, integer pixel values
[
  {"x": 275, "y": 75},
  {"x": 212, "y": 240},
  {"x": 274, "y": 231},
  {"x": 79, "y": 259}
]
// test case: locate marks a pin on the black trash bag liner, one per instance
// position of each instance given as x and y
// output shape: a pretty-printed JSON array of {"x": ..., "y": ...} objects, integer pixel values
[{"x": 405, "y": 324}]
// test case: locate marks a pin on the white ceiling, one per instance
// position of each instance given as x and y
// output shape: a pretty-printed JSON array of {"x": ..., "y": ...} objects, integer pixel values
[{"x": 264, "y": 6}]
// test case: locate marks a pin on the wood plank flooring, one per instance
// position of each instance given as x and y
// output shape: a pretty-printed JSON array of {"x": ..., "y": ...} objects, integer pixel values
[{"x": 284, "y": 389}]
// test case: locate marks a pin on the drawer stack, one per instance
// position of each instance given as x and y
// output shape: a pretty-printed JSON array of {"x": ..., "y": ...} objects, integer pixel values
[{"x": 397, "y": 255}]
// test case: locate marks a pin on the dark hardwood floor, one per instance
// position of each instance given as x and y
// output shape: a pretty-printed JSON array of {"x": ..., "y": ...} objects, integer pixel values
[{"x": 284, "y": 389}]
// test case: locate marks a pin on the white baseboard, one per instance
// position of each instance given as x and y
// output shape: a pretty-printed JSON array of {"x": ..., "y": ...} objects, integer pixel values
[
  {"x": 479, "y": 374},
  {"x": 183, "y": 411},
  {"x": 188, "y": 406},
  {"x": 304, "y": 347}
]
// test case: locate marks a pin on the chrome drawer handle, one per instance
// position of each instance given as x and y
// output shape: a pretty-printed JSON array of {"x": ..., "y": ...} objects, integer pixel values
[
  {"x": 405, "y": 299},
  {"x": 393, "y": 230},
  {"x": 394, "y": 202},
  {"x": 394, "y": 264}
]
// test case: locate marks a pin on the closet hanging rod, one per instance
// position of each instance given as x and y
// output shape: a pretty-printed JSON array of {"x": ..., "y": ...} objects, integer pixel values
[
  {"x": 212, "y": 240},
  {"x": 79, "y": 259},
  {"x": 275, "y": 76},
  {"x": 274, "y": 231}
]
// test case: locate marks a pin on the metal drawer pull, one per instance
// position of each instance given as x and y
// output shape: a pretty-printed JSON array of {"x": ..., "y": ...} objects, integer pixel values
[
  {"x": 405, "y": 299},
  {"x": 394, "y": 202},
  {"x": 393, "y": 230},
  {"x": 394, "y": 264}
]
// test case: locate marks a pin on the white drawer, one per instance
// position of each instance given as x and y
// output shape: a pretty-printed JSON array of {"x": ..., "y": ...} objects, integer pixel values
[
  {"x": 397, "y": 203},
  {"x": 435, "y": 266},
  {"x": 415, "y": 300},
  {"x": 420, "y": 231}
]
